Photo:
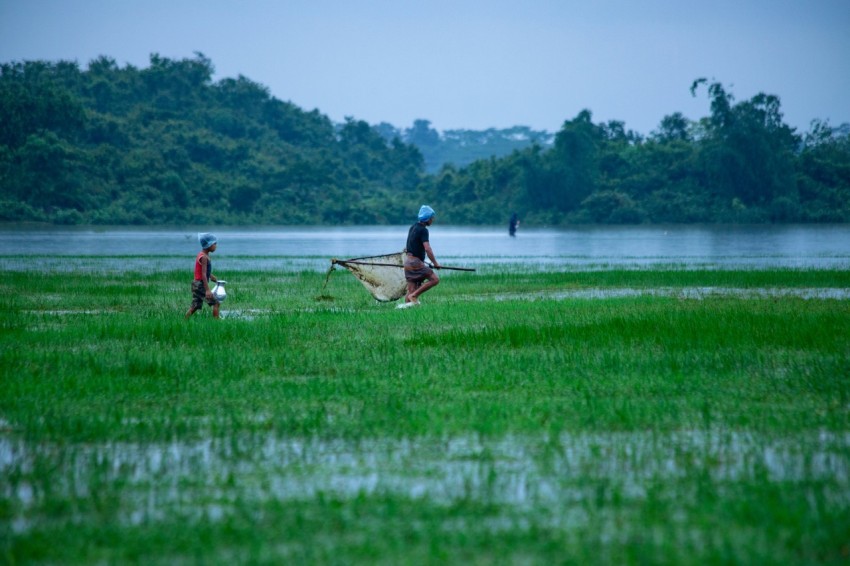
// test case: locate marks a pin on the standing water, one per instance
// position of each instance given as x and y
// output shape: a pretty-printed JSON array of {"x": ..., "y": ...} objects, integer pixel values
[{"x": 755, "y": 246}]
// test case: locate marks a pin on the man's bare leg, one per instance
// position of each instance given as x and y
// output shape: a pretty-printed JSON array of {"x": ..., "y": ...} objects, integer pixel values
[
  {"x": 412, "y": 286},
  {"x": 432, "y": 281}
]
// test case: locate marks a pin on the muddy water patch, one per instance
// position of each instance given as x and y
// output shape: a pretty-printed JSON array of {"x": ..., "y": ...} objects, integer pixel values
[
  {"x": 692, "y": 293},
  {"x": 244, "y": 314}
]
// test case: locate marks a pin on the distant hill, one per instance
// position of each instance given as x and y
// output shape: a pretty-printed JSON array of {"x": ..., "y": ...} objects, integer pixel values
[{"x": 463, "y": 147}]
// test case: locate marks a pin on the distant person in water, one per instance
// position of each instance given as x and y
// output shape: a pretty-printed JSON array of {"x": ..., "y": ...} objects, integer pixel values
[
  {"x": 513, "y": 224},
  {"x": 201, "y": 290},
  {"x": 420, "y": 277}
]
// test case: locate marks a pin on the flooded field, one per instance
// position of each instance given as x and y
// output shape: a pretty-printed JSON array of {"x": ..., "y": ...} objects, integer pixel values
[{"x": 523, "y": 414}]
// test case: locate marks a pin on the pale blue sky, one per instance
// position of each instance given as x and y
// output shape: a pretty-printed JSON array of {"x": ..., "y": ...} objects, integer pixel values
[{"x": 472, "y": 64}]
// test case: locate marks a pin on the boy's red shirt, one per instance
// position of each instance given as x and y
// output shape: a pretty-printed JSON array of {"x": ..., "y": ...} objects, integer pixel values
[{"x": 199, "y": 267}]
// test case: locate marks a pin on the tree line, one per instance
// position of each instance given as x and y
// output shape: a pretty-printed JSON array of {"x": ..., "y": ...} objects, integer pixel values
[{"x": 168, "y": 145}]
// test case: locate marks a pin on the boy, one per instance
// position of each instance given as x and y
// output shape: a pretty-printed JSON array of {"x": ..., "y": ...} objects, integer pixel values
[{"x": 201, "y": 290}]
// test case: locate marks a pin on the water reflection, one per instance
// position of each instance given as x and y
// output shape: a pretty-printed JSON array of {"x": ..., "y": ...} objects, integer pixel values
[{"x": 523, "y": 473}]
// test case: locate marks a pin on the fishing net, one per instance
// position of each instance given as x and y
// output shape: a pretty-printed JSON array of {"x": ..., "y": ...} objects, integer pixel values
[{"x": 382, "y": 275}]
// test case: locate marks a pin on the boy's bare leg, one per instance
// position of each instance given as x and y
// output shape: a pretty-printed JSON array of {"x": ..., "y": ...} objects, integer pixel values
[{"x": 215, "y": 310}]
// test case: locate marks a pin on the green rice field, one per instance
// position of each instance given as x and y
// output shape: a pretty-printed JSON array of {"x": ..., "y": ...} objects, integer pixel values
[{"x": 608, "y": 416}]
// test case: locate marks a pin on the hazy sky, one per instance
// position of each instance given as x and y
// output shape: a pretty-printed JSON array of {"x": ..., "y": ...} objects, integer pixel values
[{"x": 472, "y": 64}]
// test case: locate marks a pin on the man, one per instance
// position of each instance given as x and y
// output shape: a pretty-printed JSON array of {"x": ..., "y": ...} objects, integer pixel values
[
  {"x": 419, "y": 276},
  {"x": 513, "y": 225}
]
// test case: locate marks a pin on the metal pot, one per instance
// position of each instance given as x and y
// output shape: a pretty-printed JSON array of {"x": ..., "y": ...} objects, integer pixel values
[{"x": 219, "y": 291}]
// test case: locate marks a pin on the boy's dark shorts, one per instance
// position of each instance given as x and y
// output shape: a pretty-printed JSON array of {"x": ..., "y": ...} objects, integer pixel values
[
  {"x": 416, "y": 270},
  {"x": 199, "y": 295}
]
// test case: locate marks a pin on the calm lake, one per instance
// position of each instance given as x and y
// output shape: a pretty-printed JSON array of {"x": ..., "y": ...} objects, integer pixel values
[{"x": 803, "y": 246}]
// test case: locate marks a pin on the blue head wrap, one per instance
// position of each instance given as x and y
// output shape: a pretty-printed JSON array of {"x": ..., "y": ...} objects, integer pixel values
[
  {"x": 425, "y": 213},
  {"x": 207, "y": 240}
]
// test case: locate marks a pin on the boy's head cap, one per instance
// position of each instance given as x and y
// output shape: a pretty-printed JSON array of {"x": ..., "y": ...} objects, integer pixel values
[
  {"x": 207, "y": 240},
  {"x": 425, "y": 213}
]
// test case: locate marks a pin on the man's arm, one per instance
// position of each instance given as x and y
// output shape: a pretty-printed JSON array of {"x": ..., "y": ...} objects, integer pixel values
[{"x": 430, "y": 253}]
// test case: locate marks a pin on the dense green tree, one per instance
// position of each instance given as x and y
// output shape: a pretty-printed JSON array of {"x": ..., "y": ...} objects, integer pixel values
[
  {"x": 748, "y": 153},
  {"x": 570, "y": 170},
  {"x": 34, "y": 99},
  {"x": 167, "y": 144},
  {"x": 740, "y": 164},
  {"x": 823, "y": 179},
  {"x": 674, "y": 127}
]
